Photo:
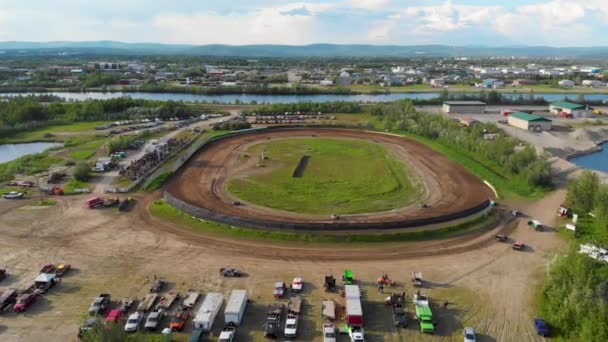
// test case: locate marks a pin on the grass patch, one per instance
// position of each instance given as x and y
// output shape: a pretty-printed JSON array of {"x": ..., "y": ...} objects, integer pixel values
[
  {"x": 27, "y": 165},
  {"x": 73, "y": 184},
  {"x": 164, "y": 210},
  {"x": 44, "y": 203},
  {"x": 353, "y": 177},
  {"x": 158, "y": 181},
  {"x": 54, "y": 133},
  {"x": 83, "y": 150}
]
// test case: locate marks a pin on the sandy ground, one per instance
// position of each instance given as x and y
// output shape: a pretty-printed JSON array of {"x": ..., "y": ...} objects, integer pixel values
[
  {"x": 488, "y": 285},
  {"x": 451, "y": 188}
]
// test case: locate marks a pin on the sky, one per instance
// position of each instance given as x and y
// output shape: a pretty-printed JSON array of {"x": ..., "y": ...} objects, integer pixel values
[{"x": 240, "y": 22}]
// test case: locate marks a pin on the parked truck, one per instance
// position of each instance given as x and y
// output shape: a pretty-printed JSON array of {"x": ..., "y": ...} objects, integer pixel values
[
  {"x": 273, "y": 320},
  {"x": 424, "y": 314},
  {"x": 354, "y": 312},
  {"x": 205, "y": 317},
  {"x": 293, "y": 315},
  {"x": 235, "y": 307}
]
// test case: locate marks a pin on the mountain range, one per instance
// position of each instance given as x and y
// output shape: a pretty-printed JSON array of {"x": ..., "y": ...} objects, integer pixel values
[{"x": 314, "y": 50}]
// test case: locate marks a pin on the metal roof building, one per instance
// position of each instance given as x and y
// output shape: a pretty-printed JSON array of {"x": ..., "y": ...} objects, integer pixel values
[
  {"x": 529, "y": 122},
  {"x": 464, "y": 107}
]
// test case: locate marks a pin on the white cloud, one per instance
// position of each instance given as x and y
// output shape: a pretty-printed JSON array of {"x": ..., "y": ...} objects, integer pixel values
[
  {"x": 372, "y": 5},
  {"x": 264, "y": 26}
]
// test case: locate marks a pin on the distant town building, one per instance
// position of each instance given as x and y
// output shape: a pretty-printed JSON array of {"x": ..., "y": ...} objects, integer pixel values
[
  {"x": 522, "y": 82},
  {"x": 344, "y": 79},
  {"x": 464, "y": 107},
  {"x": 326, "y": 83},
  {"x": 593, "y": 83},
  {"x": 437, "y": 82},
  {"x": 529, "y": 122},
  {"x": 566, "y": 83}
]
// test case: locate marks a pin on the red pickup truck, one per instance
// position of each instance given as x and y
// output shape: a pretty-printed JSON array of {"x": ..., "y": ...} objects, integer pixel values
[{"x": 94, "y": 202}]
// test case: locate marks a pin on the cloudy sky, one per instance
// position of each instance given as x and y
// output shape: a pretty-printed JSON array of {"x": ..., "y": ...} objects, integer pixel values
[{"x": 403, "y": 22}]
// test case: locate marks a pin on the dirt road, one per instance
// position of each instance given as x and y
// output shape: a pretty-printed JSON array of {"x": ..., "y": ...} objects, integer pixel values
[{"x": 488, "y": 285}]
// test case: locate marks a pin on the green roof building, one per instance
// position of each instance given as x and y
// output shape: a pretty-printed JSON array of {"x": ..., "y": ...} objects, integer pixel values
[
  {"x": 569, "y": 109},
  {"x": 529, "y": 122}
]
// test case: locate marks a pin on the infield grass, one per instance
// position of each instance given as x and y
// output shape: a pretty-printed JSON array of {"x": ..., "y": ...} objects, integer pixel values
[{"x": 342, "y": 176}]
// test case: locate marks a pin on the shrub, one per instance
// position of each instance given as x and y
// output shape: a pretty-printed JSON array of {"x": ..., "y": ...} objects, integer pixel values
[{"x": 82, "y": 172}]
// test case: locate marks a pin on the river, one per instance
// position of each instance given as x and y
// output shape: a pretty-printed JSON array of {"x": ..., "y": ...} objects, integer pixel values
[
  {"x": 595, "y": 161},
  {"x": 10, "y": 152},
  {"x": 248, "y": 98}
]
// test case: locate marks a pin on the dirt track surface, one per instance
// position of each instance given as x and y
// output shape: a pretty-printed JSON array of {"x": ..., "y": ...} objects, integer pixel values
[{"x": 450, "y": 189}]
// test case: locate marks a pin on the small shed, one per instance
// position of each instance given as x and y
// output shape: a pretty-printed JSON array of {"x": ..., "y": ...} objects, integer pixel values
[
  {"x": 529, "y": 122},
  {"x": 464, "y": 107}
]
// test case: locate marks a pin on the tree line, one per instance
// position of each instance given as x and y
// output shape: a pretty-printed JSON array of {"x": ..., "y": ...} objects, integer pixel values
[
  {"x": 25, "y": 113},
  {"x": 501, "y": 151},
  {"x": 574, "y": 299}
]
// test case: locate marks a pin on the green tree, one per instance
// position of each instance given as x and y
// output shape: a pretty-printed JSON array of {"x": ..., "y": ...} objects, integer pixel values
[
  {"x": 582, "y": 191},
  {"x": 82, "y": 172}
]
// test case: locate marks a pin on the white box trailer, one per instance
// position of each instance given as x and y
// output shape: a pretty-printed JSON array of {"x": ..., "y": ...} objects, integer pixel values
[
  {"x": 205, "y": 316},
  {"x": 352, "y": 291},
  {"x": 235, "y": 307}
]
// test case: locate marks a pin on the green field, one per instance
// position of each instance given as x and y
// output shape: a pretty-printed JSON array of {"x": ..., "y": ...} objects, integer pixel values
[{"x": 341, "y": 177}]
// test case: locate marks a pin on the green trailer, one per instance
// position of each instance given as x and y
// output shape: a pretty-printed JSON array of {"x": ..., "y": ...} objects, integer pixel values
[
  {"x": 424, "y": 314},
  {"x": 348, "y": 277}
]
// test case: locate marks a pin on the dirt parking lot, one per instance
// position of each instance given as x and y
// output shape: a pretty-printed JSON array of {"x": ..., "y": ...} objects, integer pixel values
[{"x": 489, "y": 286}]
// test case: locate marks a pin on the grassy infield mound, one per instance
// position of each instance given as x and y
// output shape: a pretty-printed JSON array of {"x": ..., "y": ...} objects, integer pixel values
[{"x": 342, "y": 176}]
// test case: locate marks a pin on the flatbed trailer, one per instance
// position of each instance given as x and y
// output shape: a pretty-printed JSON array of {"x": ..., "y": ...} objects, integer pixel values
[
  {"x": 147, "y": 303},
  {"x": 166, "y": 300},
  {"x": 191, "y": 299}
]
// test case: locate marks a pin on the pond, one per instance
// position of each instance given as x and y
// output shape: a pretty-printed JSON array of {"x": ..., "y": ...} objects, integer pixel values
[
  {"x": 248, "y": 98},
  {"x": 10, "y": 152},
  {"x": 595, "y": 161}
]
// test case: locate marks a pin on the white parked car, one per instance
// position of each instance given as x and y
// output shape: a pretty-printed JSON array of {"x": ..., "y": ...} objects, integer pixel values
[
  {"x": 469, "y": 335},
  {"x": 133, "y": 322},
  {"x": 297, "y": 284},
  {"x": 154, "y": 319},
  {"x": 329, "y": 332},
  {"x": 13, "y": 195},
  {"x": 291, "y": 327}
]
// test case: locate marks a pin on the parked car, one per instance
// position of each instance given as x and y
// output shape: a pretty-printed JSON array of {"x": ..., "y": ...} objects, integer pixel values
[
  {"x": 24, "y": 302},
  {"x": 179, "y": 320},
  {"x": 227, "y": 334},
  {"x": 13, "y": 195},
  {"x": 329, "y": 332},
  {"x": 297, "y": 284},
  {"x": 154, "y": 319},
  {"x": 230, "y": 272},
  {"x": 133, "y": 322},
  {"x": 469, "y": 335},
  {"x": 88, "y": 325},
  {"x": 279, "y": 289},
  {"x": 100, "y": 304},
  {"x": 542, "y": 328},
  {"x": 114, "y": 316}
]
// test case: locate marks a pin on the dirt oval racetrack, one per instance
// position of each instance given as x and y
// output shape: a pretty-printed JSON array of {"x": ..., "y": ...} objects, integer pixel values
[{"x": 199, "y": 187}]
